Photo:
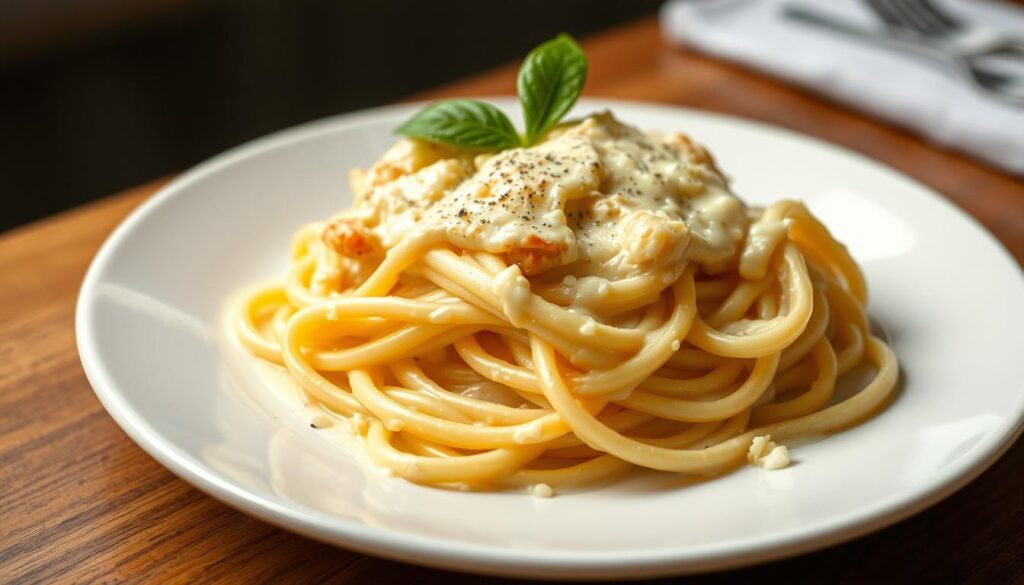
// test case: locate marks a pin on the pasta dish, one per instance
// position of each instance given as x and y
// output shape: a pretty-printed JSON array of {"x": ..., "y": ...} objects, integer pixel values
[{"x": 550, "y": 316}]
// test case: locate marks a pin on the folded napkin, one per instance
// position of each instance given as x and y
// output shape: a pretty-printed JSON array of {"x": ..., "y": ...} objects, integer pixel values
[{"x": 901, "y": 88}]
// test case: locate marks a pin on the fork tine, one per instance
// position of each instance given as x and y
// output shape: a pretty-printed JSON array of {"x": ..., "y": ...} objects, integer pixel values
[
  {"x": 884, "y": 10},
  {"x": 927, "y": 23},
  {"x": 948, "y": 21},
  {"x": 915, "y": 19}
]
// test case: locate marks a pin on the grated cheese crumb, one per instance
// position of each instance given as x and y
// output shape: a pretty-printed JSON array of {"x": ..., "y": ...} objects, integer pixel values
[
  {"x": 767, "y": 454},
  {"x": 541, "y": 490},
  {"x": 332, "y": 313}
]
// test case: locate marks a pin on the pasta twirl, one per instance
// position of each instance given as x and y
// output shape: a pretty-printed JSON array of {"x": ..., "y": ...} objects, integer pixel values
[{"x": 552, "y": 316}]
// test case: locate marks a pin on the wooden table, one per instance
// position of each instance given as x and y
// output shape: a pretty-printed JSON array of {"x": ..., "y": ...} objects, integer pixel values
[{"x": 80, "y": 502}]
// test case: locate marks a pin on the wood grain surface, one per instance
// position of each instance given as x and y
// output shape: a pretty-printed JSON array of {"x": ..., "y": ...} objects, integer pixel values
[{"x": 79, "y": 502}]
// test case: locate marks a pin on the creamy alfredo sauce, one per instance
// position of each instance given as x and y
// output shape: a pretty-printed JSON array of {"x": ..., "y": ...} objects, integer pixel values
[{"x": 597, "y": 200}]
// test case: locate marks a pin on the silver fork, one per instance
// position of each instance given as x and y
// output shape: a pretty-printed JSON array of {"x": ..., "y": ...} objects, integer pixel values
[
  {"x": 920, "y": 21},
  {"x": 922, "y": 18}
]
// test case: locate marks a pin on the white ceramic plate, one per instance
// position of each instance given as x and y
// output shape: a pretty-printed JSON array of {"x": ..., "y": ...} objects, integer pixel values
[{"x": 151, "y": 339}]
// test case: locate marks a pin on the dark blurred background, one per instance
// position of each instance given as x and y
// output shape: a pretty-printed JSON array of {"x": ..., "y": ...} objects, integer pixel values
[{"x": 101, "y": 95}]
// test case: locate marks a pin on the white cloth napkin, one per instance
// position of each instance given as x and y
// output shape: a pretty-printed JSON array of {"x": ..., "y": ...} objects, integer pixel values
[{"x": 893, "y": 85}]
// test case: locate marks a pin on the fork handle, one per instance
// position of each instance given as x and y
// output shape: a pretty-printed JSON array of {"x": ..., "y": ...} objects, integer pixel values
[
  {"x": 825, "y": 21},
  {"x": 981, "y": 42}
]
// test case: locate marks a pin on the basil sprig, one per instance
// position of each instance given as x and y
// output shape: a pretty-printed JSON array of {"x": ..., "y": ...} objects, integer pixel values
[
  {"x": 549, "y": 83},
  {"x": 465, "y": 123}
]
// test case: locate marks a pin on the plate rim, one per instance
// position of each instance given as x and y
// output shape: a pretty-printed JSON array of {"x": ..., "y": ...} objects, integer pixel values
[{"x": 490, "y": 559}]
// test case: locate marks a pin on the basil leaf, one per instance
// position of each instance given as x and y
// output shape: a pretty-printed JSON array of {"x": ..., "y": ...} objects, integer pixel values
[
  {"x": 549, "y": 83},
  {"x": 462, "y": 123}
]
